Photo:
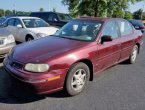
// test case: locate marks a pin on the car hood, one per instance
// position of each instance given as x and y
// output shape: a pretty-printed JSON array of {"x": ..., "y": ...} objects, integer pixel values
[
  {"x": 44, "y": 49},
  {"x": 44, "y": 30}
]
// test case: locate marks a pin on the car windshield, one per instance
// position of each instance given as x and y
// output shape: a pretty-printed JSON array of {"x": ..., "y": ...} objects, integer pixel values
[
  {"x": 35, "y": 23},
  {"x": 64, "y": 17},
  {"x": 84, "y": 30}
]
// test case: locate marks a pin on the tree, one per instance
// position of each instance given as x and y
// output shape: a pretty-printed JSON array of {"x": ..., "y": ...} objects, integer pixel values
[
  {"x": 143, "y": 16},
  {"x": 85, "y": 7},
  {"x": 98, "y": 8},
  {"x": 41, "y": 9},
  {"x": 1, "y": 12},
  {"x": 8, "y": 12},
  {"x": 138, "y": 14},
  {"x": 128, "y": 15}
]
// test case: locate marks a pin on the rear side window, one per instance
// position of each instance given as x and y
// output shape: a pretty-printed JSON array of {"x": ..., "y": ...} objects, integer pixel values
[
  {"x": 125, "y": 27},
  {"x": 11, "y": 22},
  {"x": 111, "y": 29}
]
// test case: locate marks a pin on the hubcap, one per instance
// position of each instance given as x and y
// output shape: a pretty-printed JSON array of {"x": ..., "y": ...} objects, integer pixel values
[
  {"x": 134, "y": 54},
  {"x": 78, "y": 80}
]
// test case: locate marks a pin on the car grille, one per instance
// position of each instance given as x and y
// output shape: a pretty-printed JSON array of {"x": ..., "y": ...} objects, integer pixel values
[{"x": 16, "y": 65}]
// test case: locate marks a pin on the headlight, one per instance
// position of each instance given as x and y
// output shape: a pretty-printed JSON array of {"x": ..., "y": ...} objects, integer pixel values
[
  {"x": 37, "y": 67},
  {"x": 39, "y": 35},
  {"x": 9, "y": 39}
]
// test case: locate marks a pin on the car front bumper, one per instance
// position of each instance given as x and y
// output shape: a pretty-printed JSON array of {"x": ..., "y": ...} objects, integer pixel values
[
  {"x": 5, "y": 49},
  {"x": 39, "y": 83}
]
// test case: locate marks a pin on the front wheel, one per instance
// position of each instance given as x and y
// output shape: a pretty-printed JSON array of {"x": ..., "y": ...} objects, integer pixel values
[
  {"x": 133, "y": 55},
  {"x": 77, "y": 78},
  {"x": 29, "y": 38}
]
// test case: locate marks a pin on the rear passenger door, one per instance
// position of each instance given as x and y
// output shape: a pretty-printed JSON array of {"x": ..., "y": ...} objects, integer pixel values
[
  {"x": 126, "y": 40},
  {"x": 109, "y": 52}
]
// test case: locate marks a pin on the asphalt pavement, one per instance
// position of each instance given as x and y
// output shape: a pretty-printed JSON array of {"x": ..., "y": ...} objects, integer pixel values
[{"x": 121, "y": 87}]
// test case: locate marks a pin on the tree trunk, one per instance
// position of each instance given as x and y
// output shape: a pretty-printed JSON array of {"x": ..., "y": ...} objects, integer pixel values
[{"x": 96, "y": 8}]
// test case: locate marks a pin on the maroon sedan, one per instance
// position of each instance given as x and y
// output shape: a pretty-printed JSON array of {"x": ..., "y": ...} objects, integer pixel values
[{"x": 78, "y": 51}]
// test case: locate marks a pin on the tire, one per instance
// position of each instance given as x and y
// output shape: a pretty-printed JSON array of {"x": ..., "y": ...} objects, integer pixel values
[
  {"x": 133, "y": 55},
  {"x": 29, "y": 38},
  {"x": 77, "y": 78}
]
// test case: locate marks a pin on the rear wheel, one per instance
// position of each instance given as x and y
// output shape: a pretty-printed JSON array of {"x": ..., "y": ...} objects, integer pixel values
[
  {"x": 133, "y": 55},
  {"x": 77, "y": 78}
]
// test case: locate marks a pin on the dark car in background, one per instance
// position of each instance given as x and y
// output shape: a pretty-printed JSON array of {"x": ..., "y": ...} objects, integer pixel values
[
  {"x": 74, "y": 55},
  {"x": 53, "y": 18},
  {"x": 138, "y": 24}
]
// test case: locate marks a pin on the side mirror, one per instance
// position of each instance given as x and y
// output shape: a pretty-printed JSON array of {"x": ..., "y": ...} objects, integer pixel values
[
  {"x": 19, "y": 26},
  {"x": 55, "y": 20},
  {"x": 106, "y": 38}
]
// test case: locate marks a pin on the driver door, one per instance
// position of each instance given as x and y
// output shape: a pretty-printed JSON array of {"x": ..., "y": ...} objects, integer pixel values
[
  {"x": 109, "y": 52},
  {"x": 19, "y": 30}
]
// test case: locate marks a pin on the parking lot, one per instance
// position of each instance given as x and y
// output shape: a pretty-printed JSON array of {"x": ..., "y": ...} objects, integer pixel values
[{"x": 121, "y": 87}]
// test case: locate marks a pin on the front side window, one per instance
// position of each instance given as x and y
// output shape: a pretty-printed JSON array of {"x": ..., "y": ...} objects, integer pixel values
[
  {"x": 35, "y": 23},
  {"x": 17, "y": 22},
  {"x": 125, "y": 27},
  {"x": 52, "y": 17},
  {"x": 111, "y": 29},
  {"x": 84, "y": 30}
]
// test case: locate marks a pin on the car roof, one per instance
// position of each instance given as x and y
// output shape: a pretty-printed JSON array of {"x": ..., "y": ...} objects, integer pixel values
[
  {"x": 98, "y": 18},
  {"x": 50, "y": 12},
  {"x": 24, "y": 17}
]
